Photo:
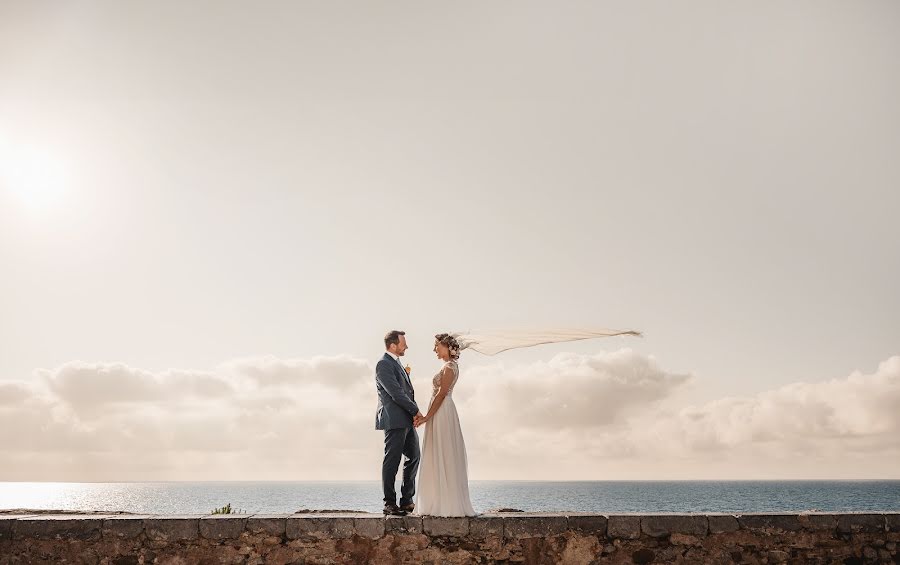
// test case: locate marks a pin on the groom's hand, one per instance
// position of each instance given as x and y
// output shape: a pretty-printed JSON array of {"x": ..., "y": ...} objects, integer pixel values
[{"x": 417, "y": 420}]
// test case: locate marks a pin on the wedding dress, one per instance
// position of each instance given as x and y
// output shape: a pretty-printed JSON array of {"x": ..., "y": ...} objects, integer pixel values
[{"x": 443, "y": 473}]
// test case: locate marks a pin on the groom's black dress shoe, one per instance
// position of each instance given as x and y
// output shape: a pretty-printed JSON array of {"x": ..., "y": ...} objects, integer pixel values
[
  {"x": 408, "y": 508},
  {"x": 393, "y": 510}
]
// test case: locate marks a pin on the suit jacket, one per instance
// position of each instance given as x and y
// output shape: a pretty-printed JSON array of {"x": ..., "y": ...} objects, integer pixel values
[{"x": 396, "y": 397}]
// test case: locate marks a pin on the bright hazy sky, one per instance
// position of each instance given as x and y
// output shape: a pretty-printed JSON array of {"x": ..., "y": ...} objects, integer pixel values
[{"x": 211, "y": 212}]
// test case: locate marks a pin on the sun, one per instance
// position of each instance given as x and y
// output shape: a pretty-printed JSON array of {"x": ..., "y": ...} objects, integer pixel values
[{"x": 34, "y": 177}]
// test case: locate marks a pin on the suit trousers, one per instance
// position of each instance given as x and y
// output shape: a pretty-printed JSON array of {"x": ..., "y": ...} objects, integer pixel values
[{"x": 400, "y": 442}]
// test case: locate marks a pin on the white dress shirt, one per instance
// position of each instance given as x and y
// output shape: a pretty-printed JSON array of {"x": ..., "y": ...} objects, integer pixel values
[{"x": 397, "y": 359}]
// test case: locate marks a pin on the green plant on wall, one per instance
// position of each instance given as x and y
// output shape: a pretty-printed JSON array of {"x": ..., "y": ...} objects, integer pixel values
[{"x": 226, "y": 510}]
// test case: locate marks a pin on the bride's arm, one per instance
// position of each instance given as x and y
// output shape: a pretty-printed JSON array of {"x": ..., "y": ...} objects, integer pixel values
[{"x": 446, "y": 381}]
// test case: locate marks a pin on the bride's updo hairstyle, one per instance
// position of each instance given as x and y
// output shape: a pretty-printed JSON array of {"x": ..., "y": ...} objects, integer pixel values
[{"x": 450, "y": 343}]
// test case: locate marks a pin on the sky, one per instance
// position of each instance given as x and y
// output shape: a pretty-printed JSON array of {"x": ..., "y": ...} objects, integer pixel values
[{"x": 211, "y": 213}]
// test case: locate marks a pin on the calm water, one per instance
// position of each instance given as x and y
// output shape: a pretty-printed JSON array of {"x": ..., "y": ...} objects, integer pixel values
[{"x": 593, "y": 496}]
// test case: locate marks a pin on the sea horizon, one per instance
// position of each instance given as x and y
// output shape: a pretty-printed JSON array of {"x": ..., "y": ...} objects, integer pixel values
[
  {"x": 606, "y": 496},
  {"x": 470, "y": 481}
]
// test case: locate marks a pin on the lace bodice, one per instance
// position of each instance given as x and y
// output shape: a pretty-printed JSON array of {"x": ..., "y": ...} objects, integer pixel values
[{"x": 436, "y": 381}]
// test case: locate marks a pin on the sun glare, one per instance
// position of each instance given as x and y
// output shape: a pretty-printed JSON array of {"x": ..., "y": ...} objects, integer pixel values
[{"x": 34, "y": 177}]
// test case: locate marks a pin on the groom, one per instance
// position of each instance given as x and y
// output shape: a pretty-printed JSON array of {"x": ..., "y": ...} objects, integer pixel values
[{"x": 397, "y": 415}]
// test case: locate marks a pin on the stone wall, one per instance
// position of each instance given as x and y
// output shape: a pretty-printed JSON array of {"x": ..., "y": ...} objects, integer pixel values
[{"x": 489, "y": 538}]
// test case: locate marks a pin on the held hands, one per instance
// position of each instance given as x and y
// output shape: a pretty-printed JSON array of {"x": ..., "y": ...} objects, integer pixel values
[{"x": 419, "y": 419}]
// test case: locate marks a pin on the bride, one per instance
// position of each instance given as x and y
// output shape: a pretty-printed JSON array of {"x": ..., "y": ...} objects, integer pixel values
[{"x": 444, "y": 481}]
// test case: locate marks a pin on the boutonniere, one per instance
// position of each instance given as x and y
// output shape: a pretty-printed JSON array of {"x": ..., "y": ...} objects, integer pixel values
[{"x": 408, "y": 369}]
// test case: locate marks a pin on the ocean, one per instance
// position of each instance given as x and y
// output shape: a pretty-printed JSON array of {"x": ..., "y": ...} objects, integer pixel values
[{"x": 535, "y": 496}]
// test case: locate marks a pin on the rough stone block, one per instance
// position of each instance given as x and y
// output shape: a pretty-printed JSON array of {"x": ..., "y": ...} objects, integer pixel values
[
  {"x": 684, "y": 539},
  {"x": 624, "y": 526},
  {"x": 319, "y": 526},
  {"x": 892, "y": 520},
  {"x": 642, "y": 556},
  {"x": 855, "y": 523},
  {"x": 445, "y": 527},
  {"x": 819, "y": 522},
  {"x": 722, "y": 523},
  {"x": 369, "y": 525},
  {"x": 172, "y": 528},
  {"x": 267, "y": 524},
  {"x": 486, "y": 526},
  {"x": 403, "y": 525},
  {"x": 63, "y": 526},
  {"x": 124, "y": 526},
  {"x": 769, "y": 523},
  {"x": 7, "y": 522},
  {"x": 5, "y": 528},
  {"x": 593, "y": 524},
  {"x": 534, "y": 525},
  {"x": 222, "y": 526},
  {"x": 663, "y": 525}
]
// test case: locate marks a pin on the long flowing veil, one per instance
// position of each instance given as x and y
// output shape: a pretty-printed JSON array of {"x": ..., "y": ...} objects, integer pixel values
[{"x": 491, "y": 342}]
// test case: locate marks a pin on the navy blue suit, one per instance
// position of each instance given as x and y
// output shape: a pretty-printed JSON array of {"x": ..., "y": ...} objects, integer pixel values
[{"x": 396, "y": 409}]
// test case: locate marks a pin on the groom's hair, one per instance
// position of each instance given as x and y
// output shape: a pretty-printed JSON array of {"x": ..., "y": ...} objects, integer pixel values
[{"x": 392, "y": 337}]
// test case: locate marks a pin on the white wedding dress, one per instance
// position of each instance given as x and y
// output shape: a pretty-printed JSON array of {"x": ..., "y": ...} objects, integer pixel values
[{"x": 443, "y": 472}]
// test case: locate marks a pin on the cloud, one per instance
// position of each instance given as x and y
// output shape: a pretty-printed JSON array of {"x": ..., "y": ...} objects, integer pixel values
[
  {"x": 613, "y": 415},
  {"x": 569, "y": 390},
  {"x": 91, "y": 386},
  {"x": 608, "y": 415},
  {"x": 94, "y": 421},
  {"x": 272, "y": 371},
  {"x": 13, "y": 393},
  {"x": 858, "y": 412}
]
